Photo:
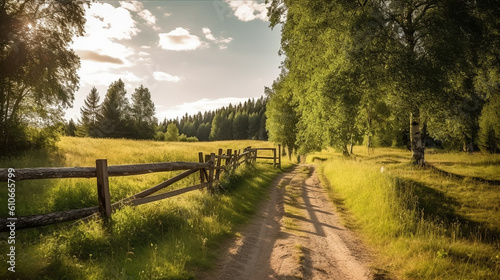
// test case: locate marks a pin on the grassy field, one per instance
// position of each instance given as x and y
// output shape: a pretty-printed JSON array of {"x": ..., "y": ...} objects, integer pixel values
[
  {"x": 420, "y": 223},
  {"x": 169, "y": 239}
]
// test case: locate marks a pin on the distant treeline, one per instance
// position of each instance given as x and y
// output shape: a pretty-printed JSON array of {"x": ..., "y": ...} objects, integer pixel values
[
  {"x": 116, "y": 117},
  {"x": 234, "y": 122}
]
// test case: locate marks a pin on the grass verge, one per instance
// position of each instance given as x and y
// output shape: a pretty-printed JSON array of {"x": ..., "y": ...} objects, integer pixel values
[
  {"x": 420, "y": 224},
  {"x": 169, "y": 239}
]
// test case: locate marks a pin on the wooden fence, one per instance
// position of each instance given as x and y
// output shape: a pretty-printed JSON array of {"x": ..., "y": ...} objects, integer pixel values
[{"x": 210, "y": 168}]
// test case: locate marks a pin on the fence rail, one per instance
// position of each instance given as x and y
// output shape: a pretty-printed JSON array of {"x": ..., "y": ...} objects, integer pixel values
[{"x": 210, "y": 167}]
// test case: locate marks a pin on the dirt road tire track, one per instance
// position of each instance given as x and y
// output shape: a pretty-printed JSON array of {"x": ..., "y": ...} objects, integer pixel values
[{"x": 317, "y": 246}]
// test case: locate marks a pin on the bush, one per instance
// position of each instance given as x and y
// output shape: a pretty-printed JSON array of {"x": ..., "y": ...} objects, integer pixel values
[
  {"x": 160, "y": 136},
  {"x": 489, "y": 126},
  {"x": 184, "y": 138}
]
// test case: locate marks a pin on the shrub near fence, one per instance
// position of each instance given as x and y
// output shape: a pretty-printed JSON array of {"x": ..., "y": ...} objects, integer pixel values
[{"x": 210, "y": 167}]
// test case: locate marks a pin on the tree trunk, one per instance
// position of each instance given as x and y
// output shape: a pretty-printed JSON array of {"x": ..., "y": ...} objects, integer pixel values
[
  {"x": 468, "y": 144},
  {"x": 368, "y": 142},
  {"x": 416, "y": 140},
  {"x": 345, "y": 150},
  {"x": 290, "y": 151},
  {"x": 352, "y": 146}
]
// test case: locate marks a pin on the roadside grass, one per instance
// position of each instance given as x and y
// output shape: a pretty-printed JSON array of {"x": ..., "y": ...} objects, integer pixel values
[
  {"x": 168, "y": 239},
  {"x": 479, "y": 165},
  {"x": 420, "y": 223}
]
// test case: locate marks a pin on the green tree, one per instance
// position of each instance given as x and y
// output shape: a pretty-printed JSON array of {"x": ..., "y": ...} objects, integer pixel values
[
  {"x": 322, "y": 82},
  {"x": 114, "y": 120},
  {"x": 70, "y": 128},
  {"x": 240, "y": 126},
  {"x": 89, "y": 114},
  {"x": 38, "y": 71},
  {"x": 253, "y": 126},
  {"x": 172, "y": 133},
  {"x": 216, "y": 127},
  {"x": 423, "y": 54},
  {"x": 143, "y": 113},
  {"x": 489, "y": 122},
  {"x": 203, "y": 132},
  {"x": 281, "y": 116},
  {"x": 431, "y": 49}
]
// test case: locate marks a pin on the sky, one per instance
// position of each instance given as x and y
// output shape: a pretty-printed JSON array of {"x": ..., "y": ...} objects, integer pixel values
[{"x": 192, "y": 55}]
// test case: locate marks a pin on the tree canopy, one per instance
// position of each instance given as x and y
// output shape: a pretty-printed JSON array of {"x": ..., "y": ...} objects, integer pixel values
[
  {"x": 37, "y": 69},
  {"x": 357, "y": 68}
]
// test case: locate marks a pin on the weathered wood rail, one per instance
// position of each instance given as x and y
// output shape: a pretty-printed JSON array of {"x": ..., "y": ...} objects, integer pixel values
[{"x": 210, "y": 168}]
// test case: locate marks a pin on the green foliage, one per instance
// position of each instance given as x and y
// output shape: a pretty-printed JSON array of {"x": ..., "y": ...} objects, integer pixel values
[
  {"x": 114, "y": 119},
  {"x": 70, "y": 128},
  {"x": 184, "y": 138},
  {"x": 38, "y": 70},
  {"x": 240, "y": 126},
  {"x": 159, "y": 136},
  {"x": 90, "y": 114},
  {"x": 350, "y": 66},
  {"x": 243, "y": 121},
  {"x": 143, "y": 114},
  {"x": 172, "y": 133},
  {"x": 489, "y": 122},
  {"x": 203, "y": 131},
  {"x": 281, "y": 116}
]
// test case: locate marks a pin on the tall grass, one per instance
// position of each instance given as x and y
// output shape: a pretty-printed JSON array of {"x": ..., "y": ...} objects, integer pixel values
[
  {"x": 416, "y": 229},
  {"x": 168, "y": 239}
]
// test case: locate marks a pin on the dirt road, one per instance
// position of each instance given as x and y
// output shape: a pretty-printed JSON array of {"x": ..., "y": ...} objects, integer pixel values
[{"x": 297, "y": 234}]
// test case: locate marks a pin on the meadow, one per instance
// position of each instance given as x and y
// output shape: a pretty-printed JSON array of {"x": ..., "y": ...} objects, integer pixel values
[
  {"x": 169, "y": 239},
  {"x": 420, "y": 223}
]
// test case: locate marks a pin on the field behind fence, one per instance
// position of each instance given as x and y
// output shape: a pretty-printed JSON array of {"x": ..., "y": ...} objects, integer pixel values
[{"x": 211, "y": 167}]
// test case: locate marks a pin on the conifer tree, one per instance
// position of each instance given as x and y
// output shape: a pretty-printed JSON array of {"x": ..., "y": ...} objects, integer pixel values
[
  {"x": 89, "y": 115},
  {"x": 114, "y": 120},
  {"x": 143, "y": 113}
]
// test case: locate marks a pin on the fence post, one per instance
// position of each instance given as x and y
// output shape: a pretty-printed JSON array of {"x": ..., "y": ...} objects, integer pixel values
[
  {"x": 228, "y": 160},
  {"x": 248, "y": 157},
  {"x": 202, "y": 177},
  {"x": 211, "y": 173},
  {"x": 217, "y": 172},
  {"x": 274, "y": 152},
  {"x": 103, "y": 188},
  {"x": 279, "y": 155},
  {"x": 235, "y": 159}
]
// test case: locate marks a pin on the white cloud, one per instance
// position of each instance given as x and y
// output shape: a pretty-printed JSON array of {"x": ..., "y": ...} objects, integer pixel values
[
  {"x": 221, "y": 41},
  {"x": 92, "y": 75},
  {"x": 104, "y": 25},
  {"x": 208, "y": 34},
  {"x": 201, "y": 105},
  {"x": 103, "y": 58},
  {"x": 162, "y": 76},
  {"x": 149, "y": 18},
  {"x": 138, "y": 7},
  {"x": 107, "y": 21},
  {"x": 133, "y": 6},
  {"x": 180, "y": 40},
  {"x": 249, "y": 10}
]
